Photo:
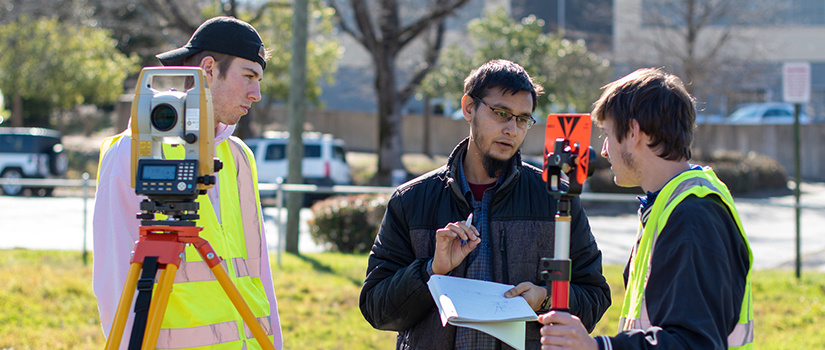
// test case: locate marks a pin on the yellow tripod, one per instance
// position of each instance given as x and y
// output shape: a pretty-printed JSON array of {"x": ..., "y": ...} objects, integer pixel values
[{"x": 165, "y": 245}]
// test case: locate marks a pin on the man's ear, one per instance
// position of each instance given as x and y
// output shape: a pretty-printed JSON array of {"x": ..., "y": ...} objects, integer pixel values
[
  {"x": 467, "y": 108},
  {"x": 635, "y": 134},
  {"x": 210, "y": 68}
]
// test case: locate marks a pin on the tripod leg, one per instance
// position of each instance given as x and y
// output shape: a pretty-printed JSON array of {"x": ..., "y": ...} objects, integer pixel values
[
  {"x": 122, "y": 313},
  {"x": 158, "y": 307},
  {"x": 237, "y": 299}
]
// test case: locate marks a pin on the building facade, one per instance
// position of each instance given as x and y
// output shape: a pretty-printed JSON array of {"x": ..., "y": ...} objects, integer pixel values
[{"x": 730, "y": 52}]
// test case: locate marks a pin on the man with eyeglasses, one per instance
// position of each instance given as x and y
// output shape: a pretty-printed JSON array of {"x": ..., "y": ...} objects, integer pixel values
[{"x": 424, "y": 231}]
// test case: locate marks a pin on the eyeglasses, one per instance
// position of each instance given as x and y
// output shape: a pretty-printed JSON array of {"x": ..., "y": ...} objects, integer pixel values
[{"x": 503, "y": 116}]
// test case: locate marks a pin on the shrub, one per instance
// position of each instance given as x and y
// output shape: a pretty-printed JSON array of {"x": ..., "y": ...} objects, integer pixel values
[
  {"x": 734, "y": 175},
  {"x": 744, "y": 173},
  {"x": 348, "y": 223}
]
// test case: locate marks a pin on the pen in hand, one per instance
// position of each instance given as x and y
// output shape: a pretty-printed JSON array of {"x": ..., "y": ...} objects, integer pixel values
[{"x": 469, "y": 223}]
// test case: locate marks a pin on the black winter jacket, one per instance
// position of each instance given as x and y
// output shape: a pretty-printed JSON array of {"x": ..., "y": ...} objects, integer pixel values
[{"x": 521, "y": 224}]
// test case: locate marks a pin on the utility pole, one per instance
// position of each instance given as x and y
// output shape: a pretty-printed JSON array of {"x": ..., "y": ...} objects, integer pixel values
[
  {"x": 297, "y": 115},
  {"x": 560, "y": 15}
]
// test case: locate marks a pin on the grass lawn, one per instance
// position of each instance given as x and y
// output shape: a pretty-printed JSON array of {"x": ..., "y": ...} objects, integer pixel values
[{"x": 46, "y": 302}]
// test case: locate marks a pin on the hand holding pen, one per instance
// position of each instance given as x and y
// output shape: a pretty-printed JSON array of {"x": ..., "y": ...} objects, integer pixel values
[
  {"x": 469, "y": 223},
  {"x": 453, "y": 243}
]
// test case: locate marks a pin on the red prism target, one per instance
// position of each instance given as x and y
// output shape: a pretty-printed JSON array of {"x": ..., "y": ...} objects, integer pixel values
[{"x": 574, "y": 127}]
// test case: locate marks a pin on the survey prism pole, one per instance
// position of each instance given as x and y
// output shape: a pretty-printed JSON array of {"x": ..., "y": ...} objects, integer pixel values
[{"x": 567, "y": 157}]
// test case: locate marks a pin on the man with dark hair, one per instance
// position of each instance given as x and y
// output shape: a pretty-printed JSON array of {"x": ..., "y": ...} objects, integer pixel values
[
  {"x": 424, "y": 233},
  {"x": 694, "y": 291},
  {"x": 199, "y": 314}
]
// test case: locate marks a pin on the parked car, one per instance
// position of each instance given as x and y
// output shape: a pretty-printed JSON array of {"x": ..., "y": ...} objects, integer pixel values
[
  {"x": 710, "y": 119},
  {"x": 34, "y": 153},
  {"x": 324, "y": 164},
  {"x": 766, "y": 113}
]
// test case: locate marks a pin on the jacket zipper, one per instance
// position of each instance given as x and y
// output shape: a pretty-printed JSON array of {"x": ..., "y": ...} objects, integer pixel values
[{"x": 503, "y": 249}]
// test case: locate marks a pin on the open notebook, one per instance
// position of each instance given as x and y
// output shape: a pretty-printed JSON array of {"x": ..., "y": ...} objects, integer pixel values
[{"x": 481, "y": 305}]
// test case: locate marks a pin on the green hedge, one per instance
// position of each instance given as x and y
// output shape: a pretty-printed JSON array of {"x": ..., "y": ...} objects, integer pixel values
[
  {"x": 748, "y": 172},
  {"x": 348, "y": 223}
]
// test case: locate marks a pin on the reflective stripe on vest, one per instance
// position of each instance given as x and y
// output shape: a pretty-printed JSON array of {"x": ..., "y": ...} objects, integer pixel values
[
  {"x": 239, "y": 242},
  {"x": 699, "y": 183},
  {"x": 206, "y": 335}
]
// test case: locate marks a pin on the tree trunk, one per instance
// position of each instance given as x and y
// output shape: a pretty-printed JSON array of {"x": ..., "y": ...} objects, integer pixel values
[
  {"x": 17, "y": 110},
  {"x": 426, "y": 136},
  {"x": 390, "y": 147},
  {"x": 297, "y": 111},
  {"x": 384, "y": 45}
]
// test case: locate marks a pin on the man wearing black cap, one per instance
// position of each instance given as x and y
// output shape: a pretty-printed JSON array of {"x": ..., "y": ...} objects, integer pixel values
[{"x": 198, "y": 314}]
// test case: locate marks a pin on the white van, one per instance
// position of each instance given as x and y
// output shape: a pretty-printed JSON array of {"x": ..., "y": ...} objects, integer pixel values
[{"x": 324, "y": 163}]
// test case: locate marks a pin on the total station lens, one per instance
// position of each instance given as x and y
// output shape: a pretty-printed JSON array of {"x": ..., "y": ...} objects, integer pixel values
[{"x": 164, "y": 117}]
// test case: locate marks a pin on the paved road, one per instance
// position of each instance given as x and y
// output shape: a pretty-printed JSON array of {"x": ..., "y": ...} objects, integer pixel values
[{"x": 57, "y": 223}]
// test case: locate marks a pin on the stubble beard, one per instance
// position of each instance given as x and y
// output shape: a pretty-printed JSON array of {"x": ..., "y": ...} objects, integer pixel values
[{"x": 629, "y": 163}]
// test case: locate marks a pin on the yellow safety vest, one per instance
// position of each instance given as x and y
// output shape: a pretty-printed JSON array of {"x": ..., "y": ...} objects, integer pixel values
[
  {"x": 199, "y": 314},
  {"x": 699, "y": 183}
]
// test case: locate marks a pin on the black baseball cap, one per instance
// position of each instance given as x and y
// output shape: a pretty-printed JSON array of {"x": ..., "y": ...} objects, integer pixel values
[{"x": 227, "y": 35}]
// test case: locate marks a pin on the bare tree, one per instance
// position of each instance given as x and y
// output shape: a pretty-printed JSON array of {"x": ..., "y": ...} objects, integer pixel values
[
  {"x": 701, "y": 40},
  {"x": 378, "y": 27},
  {"x": 706, "y": 43},
  {"x": 687, "y": 20}
]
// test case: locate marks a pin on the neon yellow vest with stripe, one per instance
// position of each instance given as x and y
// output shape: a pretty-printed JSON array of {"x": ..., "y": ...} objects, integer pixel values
[
  {"x": 699, "y": 183},
  {"x": 199, "y": 314}
]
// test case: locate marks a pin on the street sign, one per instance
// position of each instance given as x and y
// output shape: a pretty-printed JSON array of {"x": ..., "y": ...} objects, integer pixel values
[
  {"x": 796, "y": 88},
  {"x": 796, "y": 82}
]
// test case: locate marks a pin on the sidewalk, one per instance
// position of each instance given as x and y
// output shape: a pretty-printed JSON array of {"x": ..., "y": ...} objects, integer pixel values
[{"x": 57, "y": 223}]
